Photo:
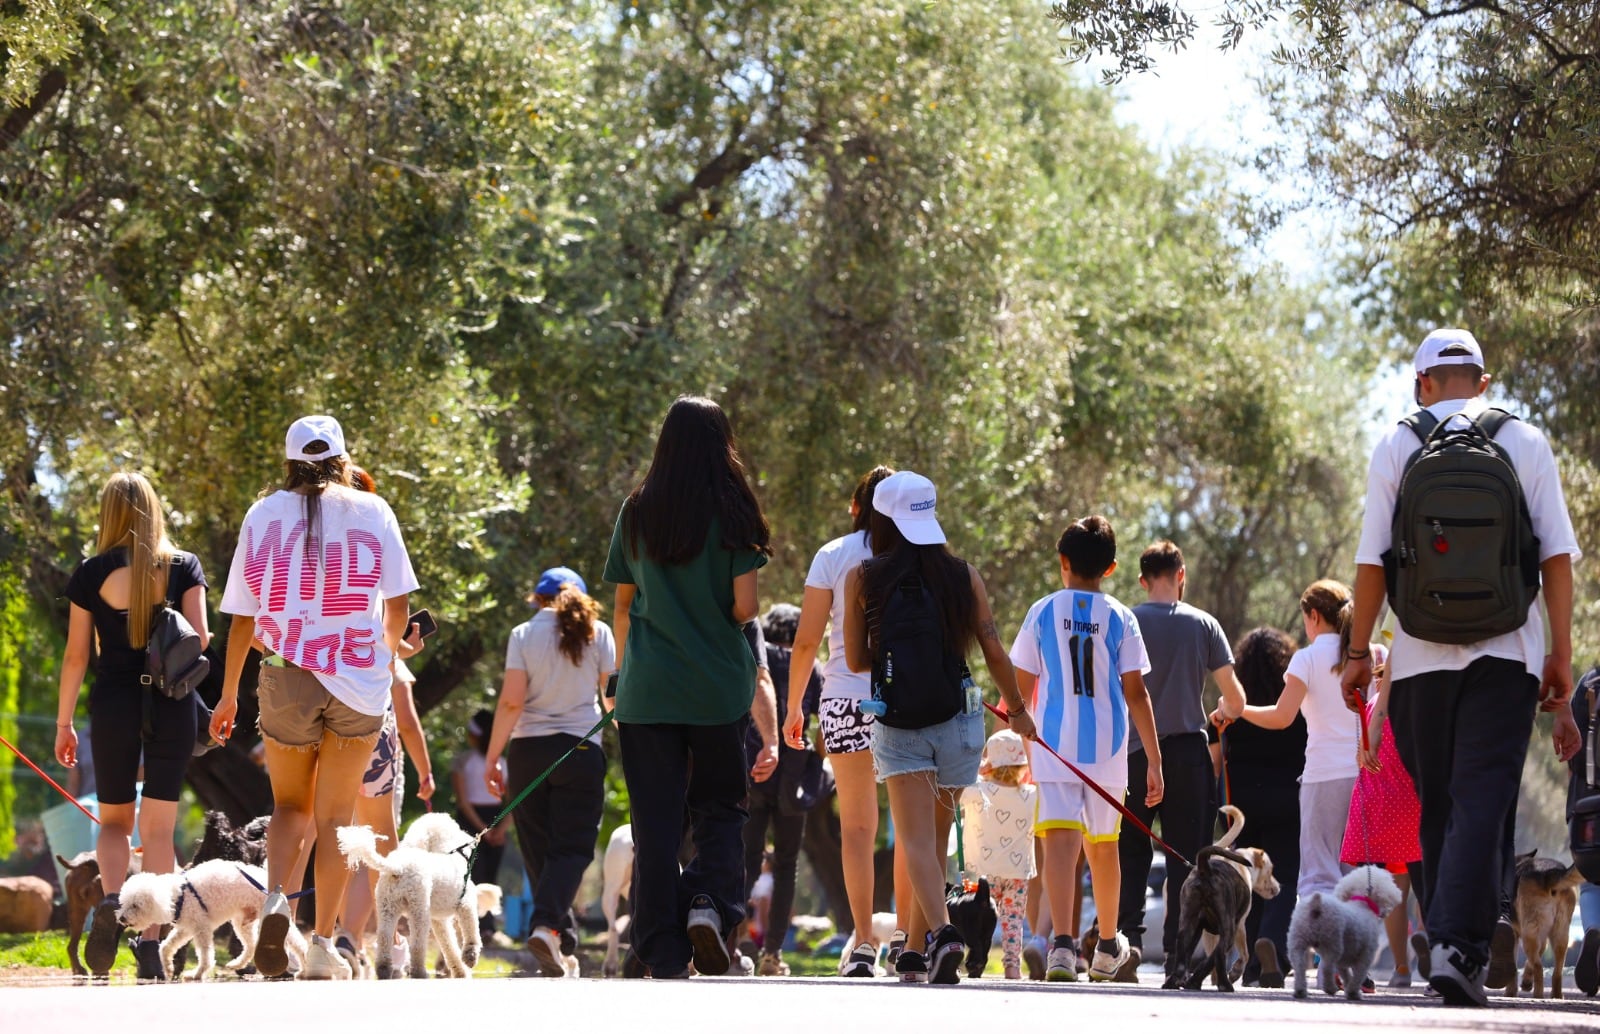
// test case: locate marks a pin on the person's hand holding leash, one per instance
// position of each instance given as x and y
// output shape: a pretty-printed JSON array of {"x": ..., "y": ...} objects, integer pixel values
[
  {"x": 494, "y": 777},
  {"x": 1021, "y": 723},
  {"x": 1355, "y": 679},
  {"x": 67, "y": 745}
]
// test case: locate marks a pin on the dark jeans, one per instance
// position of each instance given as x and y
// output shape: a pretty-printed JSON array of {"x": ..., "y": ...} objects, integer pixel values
[
  {"x": 1186, "y": 822},
  {"x": 557, "y": 824},
  {"x": 1463, "y": 736},
  {"x": 1271, "y": 807},
  {"x": 787, "y": 832},
  {"x": 667, "y": 766}
]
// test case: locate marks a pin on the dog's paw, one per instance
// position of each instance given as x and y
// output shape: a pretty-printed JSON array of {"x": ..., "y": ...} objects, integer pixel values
[
  {"x": 1301, "y": 992},
  {"x": 469, "y": 957}
]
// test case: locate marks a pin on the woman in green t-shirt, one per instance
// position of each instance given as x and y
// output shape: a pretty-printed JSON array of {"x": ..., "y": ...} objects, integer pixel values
[{"x": 684, "y": 555}]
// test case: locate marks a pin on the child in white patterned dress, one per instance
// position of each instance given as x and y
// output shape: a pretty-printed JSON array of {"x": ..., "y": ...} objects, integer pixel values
[{"x": 998, "y": 814}]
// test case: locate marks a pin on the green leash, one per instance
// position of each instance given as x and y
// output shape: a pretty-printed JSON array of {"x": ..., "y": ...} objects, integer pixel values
[{"x": 605, "y": 719}]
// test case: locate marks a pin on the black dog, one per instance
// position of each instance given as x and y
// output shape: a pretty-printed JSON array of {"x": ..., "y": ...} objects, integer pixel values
[
  {"x": 247, "y": 844},
  {"x": 1214, "y": 900},
  {"x": 972, "y": 913}
]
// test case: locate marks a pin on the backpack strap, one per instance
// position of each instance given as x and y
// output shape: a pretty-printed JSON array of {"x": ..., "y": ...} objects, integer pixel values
[
  {"x": 1422, "y": 424},
  {"x": 1492, "y": 420}
]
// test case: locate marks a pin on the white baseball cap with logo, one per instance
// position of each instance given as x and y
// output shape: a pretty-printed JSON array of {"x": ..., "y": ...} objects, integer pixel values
[
  {"x": 909, "y": 499},
  {"x": 314, "y": 439},
  {"x": 1448, "y": 346}
]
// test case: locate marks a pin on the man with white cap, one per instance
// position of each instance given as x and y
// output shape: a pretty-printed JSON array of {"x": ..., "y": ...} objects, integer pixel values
[{"x": 1462, "y": 705}]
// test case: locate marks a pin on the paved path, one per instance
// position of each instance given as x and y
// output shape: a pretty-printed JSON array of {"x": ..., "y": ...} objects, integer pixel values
[{"x": 734, "y": 1005}]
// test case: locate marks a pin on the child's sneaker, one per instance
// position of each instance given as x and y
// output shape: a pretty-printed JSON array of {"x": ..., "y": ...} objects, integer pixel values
[
  {"x": 946, "y": 952},
  {"x": 1109, "y": 957},
  {"x": 1061, "y": 965},
  {"x": 912, "y": 967}
]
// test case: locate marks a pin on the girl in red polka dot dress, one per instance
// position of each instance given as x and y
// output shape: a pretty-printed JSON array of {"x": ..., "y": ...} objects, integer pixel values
[{"x": 1385, "y": 818}]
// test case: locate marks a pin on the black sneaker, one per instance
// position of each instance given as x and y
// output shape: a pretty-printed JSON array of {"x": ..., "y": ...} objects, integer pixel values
[
  {"x": 100, "y": 950},
  {"x": 711, "y": 958},
  {"x": 862, "y": 962},
  {"x": 946, "y": 952},
  {"x": 1502, "y": 955},
  {"x": 1271, "y": 968},
  {"x": 1458, "y": 980},
  {"x": 1419, "y": 945},
  {"x": 897, "y": 944},
  {"x": 147, "y": 957},
  {"x": 1586, "y": 974},
  {"x": 912, "y": 967}
]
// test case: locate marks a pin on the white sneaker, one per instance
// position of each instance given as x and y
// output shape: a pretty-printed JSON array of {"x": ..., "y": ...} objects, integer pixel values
[
  {"x": 1061, "y": 965},
  {"x": 271, "y": 958},
  {"x": 1105, "y": 967},
  {"x": 323, "y": 962},
  {"x": 1458, "y": 981}
]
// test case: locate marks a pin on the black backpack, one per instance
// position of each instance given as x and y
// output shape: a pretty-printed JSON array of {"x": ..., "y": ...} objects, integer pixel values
[
  {"x": 1464, "y": 564},
  {"x": 916, "y": 678},
  {"x": 174, "y": 662}
]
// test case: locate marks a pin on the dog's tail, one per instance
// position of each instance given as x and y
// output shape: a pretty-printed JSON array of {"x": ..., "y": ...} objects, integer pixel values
[
  {"x": 1235, "y": 825},
  {"x": 359, "y": 845},
  {"x": 1315, "y": 906}
]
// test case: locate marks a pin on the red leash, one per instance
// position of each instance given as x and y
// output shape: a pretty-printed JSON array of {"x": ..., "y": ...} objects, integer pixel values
[
  {"x": 1097, "y": 788},
  {"x": 47, "y": 779}
]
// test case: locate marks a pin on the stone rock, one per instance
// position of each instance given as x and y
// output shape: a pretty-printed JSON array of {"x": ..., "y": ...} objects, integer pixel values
[{"x": 25, "y": 904}]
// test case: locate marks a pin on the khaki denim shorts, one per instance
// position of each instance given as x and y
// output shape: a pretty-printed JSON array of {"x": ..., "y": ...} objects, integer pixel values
[{"x": 296, "y": 710}]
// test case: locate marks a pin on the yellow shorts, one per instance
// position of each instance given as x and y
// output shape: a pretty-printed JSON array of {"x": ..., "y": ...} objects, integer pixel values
[{"x": 1072, "y": 805}]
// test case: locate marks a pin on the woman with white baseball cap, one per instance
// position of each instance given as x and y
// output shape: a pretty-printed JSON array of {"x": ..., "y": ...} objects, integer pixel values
[
  {"x": 912, "y": 613},
  {"x": 556, "y": 663},
  {"x": 320, "y": 577}
]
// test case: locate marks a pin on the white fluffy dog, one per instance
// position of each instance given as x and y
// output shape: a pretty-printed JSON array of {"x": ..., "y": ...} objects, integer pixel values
[
  {"x": 429, "y": 888},
  {"x": 195, "y": 902},
  {"x": 1344, "y": 927},
  {"x": 436, "y": 832}
]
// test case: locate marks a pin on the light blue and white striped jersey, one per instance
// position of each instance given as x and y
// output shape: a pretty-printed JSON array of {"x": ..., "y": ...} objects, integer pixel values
[{"x": 1079, "y": 645}]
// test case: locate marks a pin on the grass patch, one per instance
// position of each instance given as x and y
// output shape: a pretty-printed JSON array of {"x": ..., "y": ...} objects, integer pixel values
[{"x": 46, "y": 950}]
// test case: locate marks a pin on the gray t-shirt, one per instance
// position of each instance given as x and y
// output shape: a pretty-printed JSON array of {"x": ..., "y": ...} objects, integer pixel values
[
  {"x": 1185, "y": 645},
  {"x": 562, "y": 697}
]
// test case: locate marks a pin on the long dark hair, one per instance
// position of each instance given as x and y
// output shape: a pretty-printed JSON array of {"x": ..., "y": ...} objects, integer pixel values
[
  {"x": 695, "y": 475},
  {"x": 944, "y": 574},
  {"x": 315, "y": 479},
  {"x": 862, "y": 497},
  {"x": 1260, "y": 659}
]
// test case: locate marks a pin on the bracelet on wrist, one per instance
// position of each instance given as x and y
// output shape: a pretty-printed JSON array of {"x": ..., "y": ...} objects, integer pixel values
[
  {"x": 1354, "y": 655},
  {"x": 63, "y": 725}
]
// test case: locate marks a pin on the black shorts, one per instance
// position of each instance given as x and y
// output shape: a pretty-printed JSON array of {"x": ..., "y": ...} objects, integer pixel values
[{"x": 116, "y": 721}]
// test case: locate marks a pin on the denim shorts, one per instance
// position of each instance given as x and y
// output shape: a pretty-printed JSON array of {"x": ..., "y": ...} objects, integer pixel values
[{"x": 950, "y": 749}]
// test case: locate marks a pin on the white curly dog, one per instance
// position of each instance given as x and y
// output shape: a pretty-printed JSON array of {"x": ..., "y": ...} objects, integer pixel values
[
  {"x": 431, "y": 889},
  {"x": 1344, "y": 928},
  {"x": 195, "y": 902}
]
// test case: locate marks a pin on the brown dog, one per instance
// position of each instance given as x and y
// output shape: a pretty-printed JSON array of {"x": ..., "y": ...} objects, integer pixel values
[
  {"x": 1541, "y": 913},
  {"x": 1214, "y": 902},
  {"x": 83, "y": 893}
]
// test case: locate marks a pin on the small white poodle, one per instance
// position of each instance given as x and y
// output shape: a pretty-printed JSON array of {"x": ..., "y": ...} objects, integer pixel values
[
  {"x": 429, "y": 888},
  {"x": 195, "y": 902},
  {"x": 436, "y": 832},
  {"x": 1344, "y": 928}
]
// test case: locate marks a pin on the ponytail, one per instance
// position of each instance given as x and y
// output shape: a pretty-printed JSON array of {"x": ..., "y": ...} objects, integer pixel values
[
  {"x": 576, "y": 614},
  {"x": 1343, "y": 622}
]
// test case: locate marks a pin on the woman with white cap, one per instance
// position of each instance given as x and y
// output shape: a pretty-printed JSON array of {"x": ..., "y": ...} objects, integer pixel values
[
  {"x": 320, "y": 577},
  {"x": 556, "y": 663},
  {"x": 912, "y": 613}
]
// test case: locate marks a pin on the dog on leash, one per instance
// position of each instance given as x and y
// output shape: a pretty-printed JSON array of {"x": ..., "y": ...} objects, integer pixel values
[
  {"x": 972, "y": 913},
  {"x": 1344, "y": 928},
  {"x": 195, "y": 902},
  {"x": 1541, "y": 913},
  {"x": 222, "y": 839},
  {"x": 618, "y": 871},
  {"x": 1214, "y": 903},
  {"x": 433, "y": 891}
]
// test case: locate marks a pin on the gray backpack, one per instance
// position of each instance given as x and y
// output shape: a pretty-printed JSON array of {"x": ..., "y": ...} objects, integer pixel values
[{"x": 1464, "y": 564}]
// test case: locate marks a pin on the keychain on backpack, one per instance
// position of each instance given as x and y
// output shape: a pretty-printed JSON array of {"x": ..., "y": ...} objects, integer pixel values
[{"x": 876, "y": 706}]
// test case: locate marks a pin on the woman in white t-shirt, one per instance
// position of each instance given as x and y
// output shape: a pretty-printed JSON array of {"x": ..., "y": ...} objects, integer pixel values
[
  {"x": 320, "y": 577},
  {"x": 556, "y": 663},
  {"x": 1333, "y": 733},
  {"x": 846, "y": 729}
]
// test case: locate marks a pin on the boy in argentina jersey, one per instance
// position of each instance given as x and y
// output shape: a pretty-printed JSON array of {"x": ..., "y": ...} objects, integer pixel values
[{"x": 1080, "y": 659}]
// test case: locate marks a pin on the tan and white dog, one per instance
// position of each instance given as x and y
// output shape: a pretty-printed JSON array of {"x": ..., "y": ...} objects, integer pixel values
[{"x": 1547, "y": 894}]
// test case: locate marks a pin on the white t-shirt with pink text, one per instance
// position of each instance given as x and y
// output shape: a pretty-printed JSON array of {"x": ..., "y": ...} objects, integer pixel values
[{"x": 321, "y": 607}]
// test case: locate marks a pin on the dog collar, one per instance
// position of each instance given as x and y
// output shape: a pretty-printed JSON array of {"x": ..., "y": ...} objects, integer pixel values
[{"x": 1368, "y": 902}]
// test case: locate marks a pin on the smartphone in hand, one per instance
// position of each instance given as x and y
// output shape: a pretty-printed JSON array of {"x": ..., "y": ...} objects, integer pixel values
[{"x": 426, "y": 626}]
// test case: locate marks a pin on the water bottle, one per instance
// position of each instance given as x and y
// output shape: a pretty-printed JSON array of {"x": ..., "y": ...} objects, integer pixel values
[{"x": 876, "y": 706}]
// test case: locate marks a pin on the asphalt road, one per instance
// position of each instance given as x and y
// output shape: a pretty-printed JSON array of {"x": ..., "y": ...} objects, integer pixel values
[{"x": 745, "y": 1005}]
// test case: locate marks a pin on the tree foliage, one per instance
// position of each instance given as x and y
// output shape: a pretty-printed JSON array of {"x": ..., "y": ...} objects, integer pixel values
[{"x": 497, "y": 244}]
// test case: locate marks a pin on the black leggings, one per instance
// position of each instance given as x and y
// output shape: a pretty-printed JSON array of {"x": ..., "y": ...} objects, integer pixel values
[{"x": 116, "y": 724}]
